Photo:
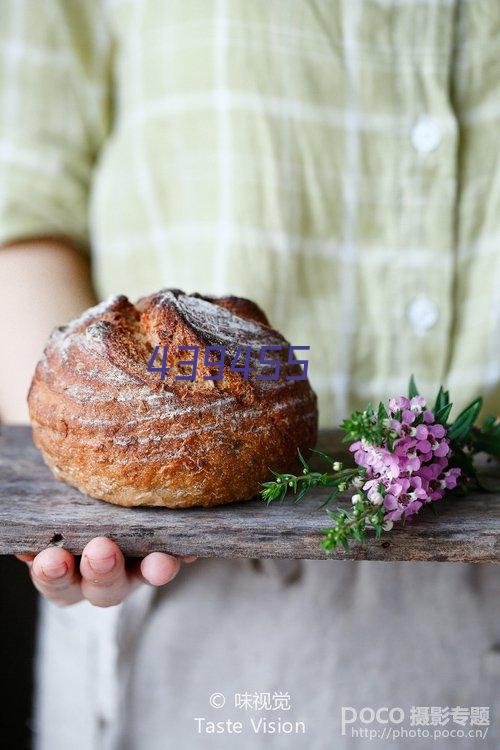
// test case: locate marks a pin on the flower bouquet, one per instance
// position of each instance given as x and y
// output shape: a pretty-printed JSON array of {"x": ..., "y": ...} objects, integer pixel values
[{"x": 406, "y": 455}]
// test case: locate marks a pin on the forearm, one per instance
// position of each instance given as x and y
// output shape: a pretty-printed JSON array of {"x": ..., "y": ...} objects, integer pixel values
[{"x": 44, "y": 283}]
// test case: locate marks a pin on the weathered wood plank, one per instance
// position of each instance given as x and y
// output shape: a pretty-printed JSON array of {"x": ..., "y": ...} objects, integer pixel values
[{"x": 36, "y": 510}]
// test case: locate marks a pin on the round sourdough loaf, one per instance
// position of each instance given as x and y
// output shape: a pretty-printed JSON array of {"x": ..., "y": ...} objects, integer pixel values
[{"x": 108, "y": 426}]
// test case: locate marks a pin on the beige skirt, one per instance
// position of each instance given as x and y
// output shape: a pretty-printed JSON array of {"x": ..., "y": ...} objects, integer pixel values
[{"x": 284, "y": 649}]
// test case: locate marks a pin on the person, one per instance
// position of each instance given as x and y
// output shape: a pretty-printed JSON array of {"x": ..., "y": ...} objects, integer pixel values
[{"x": 337, "y": 163}]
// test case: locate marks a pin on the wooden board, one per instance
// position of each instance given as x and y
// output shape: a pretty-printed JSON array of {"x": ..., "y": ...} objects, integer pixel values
[{"x": 36, "y": 511}]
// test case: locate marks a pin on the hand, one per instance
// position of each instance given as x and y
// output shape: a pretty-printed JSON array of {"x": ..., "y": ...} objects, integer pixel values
[{"x": 102, "y": 577}]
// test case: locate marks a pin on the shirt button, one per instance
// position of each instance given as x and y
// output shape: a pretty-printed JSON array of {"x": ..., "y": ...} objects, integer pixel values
[
  {"x": 422, "y": 314},
  {"x": 425, "y": 134}
]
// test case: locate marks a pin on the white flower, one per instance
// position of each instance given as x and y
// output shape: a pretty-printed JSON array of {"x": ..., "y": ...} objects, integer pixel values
[{"x": 358, "y": 482}]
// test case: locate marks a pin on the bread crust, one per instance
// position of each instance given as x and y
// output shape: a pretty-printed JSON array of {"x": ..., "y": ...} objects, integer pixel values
[{"x": 107, "y": 426}]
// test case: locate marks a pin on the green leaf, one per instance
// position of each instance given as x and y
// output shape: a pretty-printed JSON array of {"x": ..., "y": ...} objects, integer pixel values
[
  {"x": 333, "y": 514},
  {"x": 462, "y": 425},
  {"x": 441, "y": 415},
  {"x": 443, "y": 399},
  {"x": 382, "y": 412},
  {"x": 489, "y": 423},
  {"x": 273, "y": 491},
  {"x": 329, "y": 498},
  {"x": 412, "y": 388},
  {"x": 300, "y": 494},
  {"x": 325, "y": 456},
  {"x": 487, "y": 444},
  {"x": 344, "y": 543},
  {"x": 302, "y": 460},
  {"x": 487, "y": 439}
]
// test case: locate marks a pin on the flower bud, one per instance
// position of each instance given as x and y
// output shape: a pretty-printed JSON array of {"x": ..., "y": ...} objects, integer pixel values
[
  {"x": 377, "y": 498},
  {"x": 356, "y": 499},
  {"x": 337, "y": 466},
  {"x": 387, "y": 525}
]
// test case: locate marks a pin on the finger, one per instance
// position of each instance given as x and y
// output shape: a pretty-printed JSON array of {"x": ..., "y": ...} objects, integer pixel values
[
  {"x": 159, "y": 568},
  {"x": 188, "y": 558},
  {"x": 54, "y": 574},
  {"x": 104, "y": 580},
  {"x": 26, "y": 558}
]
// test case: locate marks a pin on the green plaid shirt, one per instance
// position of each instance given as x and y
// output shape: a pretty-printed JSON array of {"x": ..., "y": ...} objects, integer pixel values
[{"x": 336, "y": 161}]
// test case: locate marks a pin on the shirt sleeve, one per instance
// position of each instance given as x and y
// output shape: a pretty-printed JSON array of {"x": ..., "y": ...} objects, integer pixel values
[{"x": 54, "y": 115}]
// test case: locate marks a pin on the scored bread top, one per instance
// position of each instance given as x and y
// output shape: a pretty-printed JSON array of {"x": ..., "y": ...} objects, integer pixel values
[
  {"x": 93, "y": 399},
  {"x": 110, "y": 345}
]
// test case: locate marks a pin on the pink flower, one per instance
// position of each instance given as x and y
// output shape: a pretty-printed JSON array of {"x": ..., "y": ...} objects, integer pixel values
[
  {"x": 442, "y": 449},
  {"x": 421, "y": 432},
  {"x": 414, "y": 471},
  {"x": 396, "y": 404},
  {"x": 372, "y": 488},
  {"x": 450, "y": 478},
  {"x": 394, "y": 514},
  {"x": 418, "y": 491},
  {"x": 411, "y": 462},
  {"x": 408, "y": 417},
  {"x": 437, "y": 431},
  {"x": 417, "y": 403},
  {"x": 423, "y": 446}
]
